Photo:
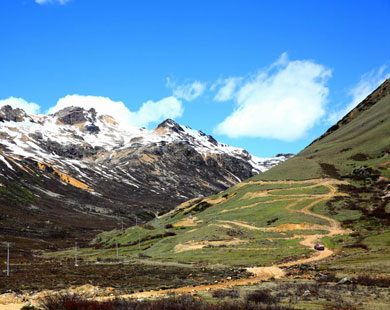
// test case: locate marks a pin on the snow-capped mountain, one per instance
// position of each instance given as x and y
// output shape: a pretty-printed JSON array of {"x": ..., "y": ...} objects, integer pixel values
[{"x": 83, "y": 168}]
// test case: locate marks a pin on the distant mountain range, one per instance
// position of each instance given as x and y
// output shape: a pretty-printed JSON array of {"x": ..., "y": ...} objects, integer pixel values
[{"x": 78, "y": 170}]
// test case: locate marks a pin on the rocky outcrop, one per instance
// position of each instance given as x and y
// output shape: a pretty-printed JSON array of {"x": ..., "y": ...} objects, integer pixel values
[
  {"x": 71, "y": 116},
  {"x": 7, "y": 113},
  {"x": 92, "y": 129},
  {"x": 72, "y": 151}
]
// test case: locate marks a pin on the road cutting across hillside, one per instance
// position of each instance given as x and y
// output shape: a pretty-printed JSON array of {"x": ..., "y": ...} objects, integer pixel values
[{"x": 276, "y": 271}]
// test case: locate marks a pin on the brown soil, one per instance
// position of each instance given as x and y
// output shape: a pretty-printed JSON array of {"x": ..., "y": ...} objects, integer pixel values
[
  {"x": 188, "y": 222},
  {"x": 196, "y": 245}
]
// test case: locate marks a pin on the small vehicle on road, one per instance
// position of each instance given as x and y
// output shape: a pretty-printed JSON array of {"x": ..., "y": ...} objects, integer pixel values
[{"x": 319, "y": 247}]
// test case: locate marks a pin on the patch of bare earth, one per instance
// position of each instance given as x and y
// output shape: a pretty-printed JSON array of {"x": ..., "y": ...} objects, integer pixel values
[
  {"x": 188, "y": 222},
  {"x": 196, "y": 245}
]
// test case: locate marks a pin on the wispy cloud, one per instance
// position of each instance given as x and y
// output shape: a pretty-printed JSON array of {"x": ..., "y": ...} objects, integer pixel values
[
  {"x": 226, "y": 88},
  {"x": 28, "y": 107},
  {"x": 41, "y": 2},
  {"x": 150, "y": 111},
  {"x": 281, "y": 102},
  {"x": 367, "y": 84},
  {"x": 188, "y": 91}
]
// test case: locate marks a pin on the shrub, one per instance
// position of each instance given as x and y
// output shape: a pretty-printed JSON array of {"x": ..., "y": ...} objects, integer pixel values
[
  {"x": 183, "y": 302},
  {"x": 261, "y": 296},
  {"x": 225, "y": 293},
  {"x": 372, "y": 281},
  {"x": 356, "y": 246}
]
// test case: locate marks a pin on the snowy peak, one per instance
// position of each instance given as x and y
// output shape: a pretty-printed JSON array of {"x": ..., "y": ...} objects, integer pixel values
[
  {"x": 7, "y": 113},
  {"x": 74, "y": 132},
  {"x": 75, "y": 115},
  {"x": 167, "y": 126},
  {"x": 98, "y": 172}
]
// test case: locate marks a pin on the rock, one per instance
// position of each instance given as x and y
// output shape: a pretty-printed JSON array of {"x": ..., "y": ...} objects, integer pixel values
[
  {"x": 7, "y": 113},
  {"x": 92, "y": 129},
  {"x": 344, "y": 281},
  {"x": 362, "y": 171},
  {"x": 71, "y": 115},
  {"x": 73, "y": 151},
  {"x": 170, "y": 124}
]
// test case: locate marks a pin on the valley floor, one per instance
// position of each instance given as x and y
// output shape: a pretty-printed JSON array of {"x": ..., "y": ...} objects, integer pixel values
[{"x": 318, "y": 279}]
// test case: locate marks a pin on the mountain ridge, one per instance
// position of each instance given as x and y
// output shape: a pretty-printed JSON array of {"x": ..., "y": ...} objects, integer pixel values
[{"x": 80, "y": 163}]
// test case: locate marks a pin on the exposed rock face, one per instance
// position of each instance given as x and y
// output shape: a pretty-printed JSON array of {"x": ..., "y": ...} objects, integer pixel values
[
  {"x": 72, "y": 151},
  {"x": 92, "y": 129},
  {"x": 81, "y": 170},
  {"x": 71, "y": 116},
  {"x": 7, "y": 113}
]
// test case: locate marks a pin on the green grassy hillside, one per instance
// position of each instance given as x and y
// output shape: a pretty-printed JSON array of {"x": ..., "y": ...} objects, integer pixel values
[
  {"x": 362, "y": 137},
  {"x": 335, "y": 191}
]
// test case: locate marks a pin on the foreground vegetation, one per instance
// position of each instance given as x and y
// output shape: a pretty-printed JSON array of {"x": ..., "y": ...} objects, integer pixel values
[
  {"x": 364, "y": 292},
  {"x": 255, "y": 301}
]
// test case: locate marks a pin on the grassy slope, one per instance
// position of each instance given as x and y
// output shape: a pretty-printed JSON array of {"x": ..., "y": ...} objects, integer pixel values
[
  {"x": 360, "y": 132},
  {"x": 361, "y": 138},
  {"x": 212, "y": 222}
]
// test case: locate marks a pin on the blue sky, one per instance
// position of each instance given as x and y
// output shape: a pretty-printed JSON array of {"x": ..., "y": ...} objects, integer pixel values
[{"x": 268, "y": 76}]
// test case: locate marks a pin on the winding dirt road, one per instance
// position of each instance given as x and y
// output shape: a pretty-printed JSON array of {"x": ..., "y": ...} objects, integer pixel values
[{"x": 264, "y": 273}]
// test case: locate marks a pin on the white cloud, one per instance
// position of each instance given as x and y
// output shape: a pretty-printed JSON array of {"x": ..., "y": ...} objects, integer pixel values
[
  {"x": 280, "y": 102},
  {"x": 28, "y": 107},
  {"x": 62, "y": 2},
  {"x": 367, "y": 84},
  {"x": 227, "y": 90},
  {"x": 150, "y": 111},
  {"x": 189, "y": 91}
]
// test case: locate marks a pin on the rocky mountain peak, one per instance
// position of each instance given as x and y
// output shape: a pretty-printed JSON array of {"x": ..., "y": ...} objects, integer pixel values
[
  {"x": 171, "y": 125},
  {"x": 76, "y": 115},
  {"x": 7, "y": 113}
]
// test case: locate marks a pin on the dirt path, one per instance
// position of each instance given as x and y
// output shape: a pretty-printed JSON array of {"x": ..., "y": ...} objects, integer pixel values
[
  {"x": 260, "y": 273},
  {"x": 12, "y": 306},
  {"x": 265, "y": 273},
  {"x": 334, "y": 228}
]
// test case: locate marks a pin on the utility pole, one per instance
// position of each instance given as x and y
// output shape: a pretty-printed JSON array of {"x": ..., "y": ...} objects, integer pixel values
[
  {"x": 8, "y": 260},
  {"x": 117, "y": 250},
  {"x": 75, "y": 254},
  {"x": 139, "y": 240},
  {"x": 136, "y": 221}
]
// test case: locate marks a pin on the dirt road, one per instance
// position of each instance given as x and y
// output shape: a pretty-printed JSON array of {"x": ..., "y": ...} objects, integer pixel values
[{"x": 264, "y": 273}]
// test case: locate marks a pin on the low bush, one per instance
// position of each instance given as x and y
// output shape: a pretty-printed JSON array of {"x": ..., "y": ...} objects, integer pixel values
[
  {"x": 183, "y": 302},
  {"x": 262, "y": 296},
  {"x": 356, "y": 246},
  {"x": 225, "y": 293},
  {"x": 367, "y": 280}
]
